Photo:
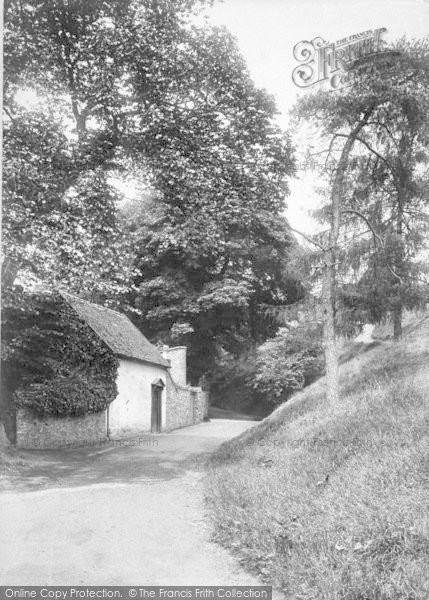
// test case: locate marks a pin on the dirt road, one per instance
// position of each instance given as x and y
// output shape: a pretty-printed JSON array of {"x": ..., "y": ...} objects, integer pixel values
[{"x": 123, "y": 515}]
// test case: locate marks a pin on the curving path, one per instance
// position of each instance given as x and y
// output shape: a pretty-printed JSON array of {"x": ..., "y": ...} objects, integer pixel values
[{"x": 123, "y": 515}]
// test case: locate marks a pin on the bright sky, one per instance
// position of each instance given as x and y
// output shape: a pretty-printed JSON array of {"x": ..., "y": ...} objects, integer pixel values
[{"x": 267, "y": 31}]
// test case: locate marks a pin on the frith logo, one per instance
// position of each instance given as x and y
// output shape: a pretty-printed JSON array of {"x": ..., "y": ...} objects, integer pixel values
[{"x": 322, "y": 61}]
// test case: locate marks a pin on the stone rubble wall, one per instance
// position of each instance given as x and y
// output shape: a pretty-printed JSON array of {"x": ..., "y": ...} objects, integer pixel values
[
  {"x": 201, "y": 404},
  {"x": 186, "y": 405},
  {"x": 34, "y": 432}
]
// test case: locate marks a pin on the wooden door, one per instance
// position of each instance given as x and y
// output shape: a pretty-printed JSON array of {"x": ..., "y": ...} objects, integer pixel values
[{"x": 156, "y": 419}]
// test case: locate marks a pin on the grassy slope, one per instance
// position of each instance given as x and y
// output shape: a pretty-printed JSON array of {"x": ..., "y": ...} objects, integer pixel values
[{"x": 330, "y": 502}]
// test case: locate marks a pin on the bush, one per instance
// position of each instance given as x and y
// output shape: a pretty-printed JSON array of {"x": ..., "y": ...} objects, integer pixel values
[
  {"x": 262, "y": 379},
  {"x": 287, "y": 362}
]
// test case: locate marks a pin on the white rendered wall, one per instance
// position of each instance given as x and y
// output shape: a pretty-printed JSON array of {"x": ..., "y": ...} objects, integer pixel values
[
  {"x": 130, "y": 412},
  {"x": 177, "y": 358}
]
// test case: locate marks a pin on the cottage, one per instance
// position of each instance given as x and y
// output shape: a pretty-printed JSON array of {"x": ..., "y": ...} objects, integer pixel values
[{"x": 153, "y": 395}]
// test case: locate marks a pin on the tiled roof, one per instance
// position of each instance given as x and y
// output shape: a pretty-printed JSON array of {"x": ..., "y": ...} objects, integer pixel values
[{"x": 117, "y": 331}]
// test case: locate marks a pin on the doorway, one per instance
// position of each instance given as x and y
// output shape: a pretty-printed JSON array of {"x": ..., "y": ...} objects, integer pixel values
[{"x": 156, "y": 414}]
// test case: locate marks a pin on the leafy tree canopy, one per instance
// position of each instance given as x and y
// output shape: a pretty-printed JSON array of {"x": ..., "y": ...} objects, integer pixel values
[{"x": 134, "y": 88}]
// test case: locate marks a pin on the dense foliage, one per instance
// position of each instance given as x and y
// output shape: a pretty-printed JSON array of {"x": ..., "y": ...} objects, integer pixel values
[
  {"x": 52, "y": 362},
  {"x": 267, "y": 376},
  {"x": 381, "y": 256},
  {"x": 59, "y": 209},
  {"x": 287, "y": 362},
  {"x": 99, "y": 95},
  {"x": 102, "y": 93}
]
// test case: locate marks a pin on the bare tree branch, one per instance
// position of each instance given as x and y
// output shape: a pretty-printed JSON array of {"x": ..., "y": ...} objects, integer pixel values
[
  {"x": 359, "y": 214},
  {"x": 371, "y": 149},
  {"x": 309, "y": 239},
  {"x": 376, "y": 237},
  {"x": 9, "y": 114}
]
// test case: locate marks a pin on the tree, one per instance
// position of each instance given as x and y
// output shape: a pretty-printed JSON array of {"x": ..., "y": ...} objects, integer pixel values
[
  {"x": 134, "y": 88},
  {"x": 391, "y": 175},
  {"x": 389, "y": 94},
  {"x": 202, "y": 280},
  {"x": 215, "y": 244},
  {"x": 58, "y": 206},
  {"x": 59, "y": 222}
]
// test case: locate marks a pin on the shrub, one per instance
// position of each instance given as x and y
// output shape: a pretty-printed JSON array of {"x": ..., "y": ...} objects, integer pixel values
[{"x": 287, "y": 362}]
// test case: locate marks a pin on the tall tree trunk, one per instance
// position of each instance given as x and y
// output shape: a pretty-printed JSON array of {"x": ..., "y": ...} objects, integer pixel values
[
  {"x": 329, "y": 336},
  {"x": 399, "y": 255},
  {"x": 397, "y": 322},
  {"x": 330, "y": 267}
]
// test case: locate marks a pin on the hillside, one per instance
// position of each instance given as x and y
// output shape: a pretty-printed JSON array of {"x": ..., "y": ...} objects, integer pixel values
[{"x": 332, "y": 502}]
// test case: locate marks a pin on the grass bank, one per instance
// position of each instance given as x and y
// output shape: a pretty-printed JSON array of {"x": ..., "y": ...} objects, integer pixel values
[{"x": 332, "y": 501}]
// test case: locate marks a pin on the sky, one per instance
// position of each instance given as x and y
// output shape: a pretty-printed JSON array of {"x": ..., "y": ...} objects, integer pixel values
[{"x": 267, "y": 31}]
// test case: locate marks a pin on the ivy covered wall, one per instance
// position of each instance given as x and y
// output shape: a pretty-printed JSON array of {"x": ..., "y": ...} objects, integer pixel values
[{"x": 52, "y": 362}]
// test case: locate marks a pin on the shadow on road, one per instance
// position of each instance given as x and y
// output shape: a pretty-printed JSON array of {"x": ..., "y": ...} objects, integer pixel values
[
  {"x": 144, "y": 458},
  {"x": 222, "y": 413}
]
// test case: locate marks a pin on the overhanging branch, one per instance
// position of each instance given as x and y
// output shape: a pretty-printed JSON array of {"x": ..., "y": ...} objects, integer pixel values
[
  {"x": 309, "y": 239},
  {"x": 371, "y": 149},
  {"x": 359, "y": 214},
  {"x": 376, "y": 237}
]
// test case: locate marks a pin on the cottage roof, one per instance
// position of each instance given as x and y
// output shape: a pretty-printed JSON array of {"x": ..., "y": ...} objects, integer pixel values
[{"x": 117, "y": 331}]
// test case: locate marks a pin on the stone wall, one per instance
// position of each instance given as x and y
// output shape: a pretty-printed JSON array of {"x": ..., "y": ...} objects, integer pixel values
[
  {"x": 37, "y": 433},
  {"x": 201, "y": 405},
  {"x": 185, "y": 405}
]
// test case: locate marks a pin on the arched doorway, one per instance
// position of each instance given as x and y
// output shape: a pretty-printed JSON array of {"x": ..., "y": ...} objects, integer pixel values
[{"x": 156, "y": 413}]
